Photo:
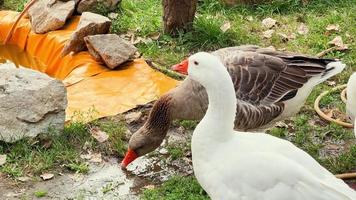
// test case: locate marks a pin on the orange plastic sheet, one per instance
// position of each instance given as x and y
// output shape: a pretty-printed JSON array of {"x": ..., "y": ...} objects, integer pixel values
[{"x": 90, "y": 85}]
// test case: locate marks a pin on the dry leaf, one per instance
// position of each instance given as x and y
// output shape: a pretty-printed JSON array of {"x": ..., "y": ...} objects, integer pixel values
[
  {"x": 249, "y": 18},
  {"x": 99, "y": 135},
  {"x": 329, "y": 113},
  {"x": 269, "y": 22},
  {"x": 226, "y": 26},
  {"x": 86, "y": 156},
  {"x": 149, "y": 187},
  {"x": 281, "y": 125},
  {"x": 292, "y": 36},
  {"x": 331, "y": 83},
  {"x": 154, "y": 36},
  {"x": 268, "y": 33},
  {"x": 2, "y": 159},
  {"x": 337, "y": 41},
  {"x": 113, "y": 15},
  {"x": 96, "y": 158},
  {"x": 47, "y": 176},
  {"x": 303, "y": 29},
  {"x": 333, "y": 27}
]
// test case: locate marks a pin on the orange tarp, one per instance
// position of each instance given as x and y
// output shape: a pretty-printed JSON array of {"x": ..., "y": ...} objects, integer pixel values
[{"x": 90, "y": 85}]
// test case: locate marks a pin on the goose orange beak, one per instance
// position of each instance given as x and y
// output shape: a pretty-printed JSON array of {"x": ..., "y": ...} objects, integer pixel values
[
  {"x": 129, "y": 157},
  {"x": 181, "y": 67}
]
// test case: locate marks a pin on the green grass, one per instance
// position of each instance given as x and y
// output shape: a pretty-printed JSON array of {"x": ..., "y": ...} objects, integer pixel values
[
  {"x": 40, "y": 194},
  {"x": 175, "y": 152},
  {"x": 188, "y": 124},
  {"x": 17, "y": 5},
  {"x": 40, "y": 154},
  {"x": 78, "y": 167},
  {"x": 312, "y": 139},
  {"x": 53, "y": 150},
  {"x": 176, "y": 188},
  {"x": 116, "y": 129}
]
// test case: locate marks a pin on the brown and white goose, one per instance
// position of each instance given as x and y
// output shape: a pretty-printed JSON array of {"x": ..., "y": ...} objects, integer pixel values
[{"x": 270, "y": 86}]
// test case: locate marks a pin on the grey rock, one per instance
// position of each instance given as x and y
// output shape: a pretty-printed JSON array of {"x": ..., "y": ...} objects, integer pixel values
[
  {"x": 30, "y": 103},
  {"x": 89, "y": 24},
  {"x": 110, "y": 48},
  {"x": 97, "y": 5},
  {"x": 50, "y": 15}
]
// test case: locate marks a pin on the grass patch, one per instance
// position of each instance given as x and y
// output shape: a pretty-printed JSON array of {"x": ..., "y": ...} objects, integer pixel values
[
  {"x": 78, "y": 167},
  {"x": 116, "y": 129},
  {"x": 312, "y": 138},
  {"x": 57, "y": 150},
  {"x": 175, "y": 152},
  {"x": 176, "y": 188},
  {"x": 16, "y": 5},
  {"x": 45, "y": 152},
  {"x": 188, "y": 124},
  {"x": 40, "y": 193}
]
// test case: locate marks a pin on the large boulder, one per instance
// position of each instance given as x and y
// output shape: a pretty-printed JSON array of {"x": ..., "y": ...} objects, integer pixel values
[
  {"x": 89, "y": 24},
  {"x": 30, "y": 103},
  {"x": 97, "y": 6},
  {"x": 110, "y": 49},
  {"x": 50, "y": 15}
]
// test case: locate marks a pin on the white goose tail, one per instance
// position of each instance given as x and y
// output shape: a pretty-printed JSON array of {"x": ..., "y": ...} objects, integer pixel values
[{"x": 331, "y": 70}]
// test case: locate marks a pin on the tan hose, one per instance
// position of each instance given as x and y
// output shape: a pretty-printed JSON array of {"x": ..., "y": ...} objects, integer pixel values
[
  {"x": 323, "y": 115},
  {"x": 346, "y": 176}
]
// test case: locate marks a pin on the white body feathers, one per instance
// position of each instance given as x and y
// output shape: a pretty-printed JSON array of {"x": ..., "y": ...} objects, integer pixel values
[{"x": 234, "y": 165}]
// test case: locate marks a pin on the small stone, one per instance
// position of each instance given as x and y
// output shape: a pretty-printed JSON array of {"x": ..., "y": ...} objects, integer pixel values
[
  {"x": 47, "y": 16},
  {"x": 89, "y": 24},
  {"x": 110, "y": 48}
]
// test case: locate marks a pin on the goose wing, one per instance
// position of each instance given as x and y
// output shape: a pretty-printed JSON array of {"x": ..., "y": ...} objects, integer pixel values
[{"x": 264, "y": 79}]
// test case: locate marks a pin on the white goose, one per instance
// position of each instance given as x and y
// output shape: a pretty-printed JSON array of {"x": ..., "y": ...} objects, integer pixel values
[
  {"x": 233, "y": 165},
  {"x": 351, "y": 99}
]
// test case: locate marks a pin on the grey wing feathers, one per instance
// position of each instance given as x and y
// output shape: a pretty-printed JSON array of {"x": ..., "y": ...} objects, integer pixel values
[{"x": 264, "y": 78}]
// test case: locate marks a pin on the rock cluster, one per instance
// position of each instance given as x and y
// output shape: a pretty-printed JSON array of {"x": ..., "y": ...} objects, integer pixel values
[
  {"x": 50, "y": 15},
  {"x": 89, "y": 24}
]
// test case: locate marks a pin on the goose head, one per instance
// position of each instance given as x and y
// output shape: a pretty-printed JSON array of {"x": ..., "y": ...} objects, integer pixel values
[
  {"x": 151, "y": 134},
  {"x": 201, "y": 67}
]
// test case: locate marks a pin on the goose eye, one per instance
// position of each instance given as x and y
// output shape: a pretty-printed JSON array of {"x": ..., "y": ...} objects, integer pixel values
[{"x": 196, "y": 63}]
